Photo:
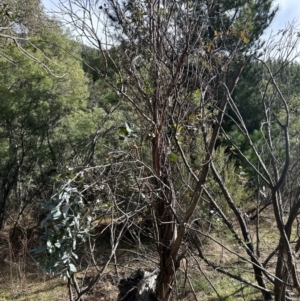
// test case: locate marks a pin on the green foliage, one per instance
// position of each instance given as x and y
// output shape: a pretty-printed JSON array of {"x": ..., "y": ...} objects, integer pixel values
[
  {"x": 34, "y": 103},
  {"x": 66, "y": 226},
  {"x": 6, "y": 13},
  {"x": 236, "y": 181},
  {"x": 36, "y": 99},
  {"x": 262, "y": 109},
  {"x": 247, "y": 98}
]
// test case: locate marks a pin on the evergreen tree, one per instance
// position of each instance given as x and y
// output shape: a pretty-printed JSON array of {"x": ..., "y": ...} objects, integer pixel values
[{"x": 33, "y": 104}]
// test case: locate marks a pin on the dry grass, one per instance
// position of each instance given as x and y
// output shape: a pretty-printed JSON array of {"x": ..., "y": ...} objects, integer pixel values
[
  {"x": 21, "y": 280},
  {"x": 37, "y": 290}
]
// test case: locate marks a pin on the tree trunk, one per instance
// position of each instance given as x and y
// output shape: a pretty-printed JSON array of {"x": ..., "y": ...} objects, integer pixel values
[
  {"x": 281, "y": 275},
  {"x": 165, "y": 214}
]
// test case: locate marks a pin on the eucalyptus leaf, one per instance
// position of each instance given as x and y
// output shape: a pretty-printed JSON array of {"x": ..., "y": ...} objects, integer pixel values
[
  {"x": 65, "y": 210},
  {"x": 57, "y": 244},
  {"x": 128, "y": 127},
  {"x": 65, "y": 256},
  {"x": 45, "y": 220},
  {"x": 66, "y": 230},
  {"x": 76, "y": 221},
  {"x": 72, "y": 268},
  {"x": 56, "y": 213}
]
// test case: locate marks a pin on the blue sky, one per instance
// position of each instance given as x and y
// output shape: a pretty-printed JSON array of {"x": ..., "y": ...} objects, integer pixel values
[
  {"x": 49, "y": 4},
  {"x": 289, "y": 10}
]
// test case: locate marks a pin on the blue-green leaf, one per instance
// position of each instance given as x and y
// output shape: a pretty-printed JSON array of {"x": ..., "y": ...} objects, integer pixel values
[
  {"x": 56, "y": 213},
  {"x": 72, "y": 268}
]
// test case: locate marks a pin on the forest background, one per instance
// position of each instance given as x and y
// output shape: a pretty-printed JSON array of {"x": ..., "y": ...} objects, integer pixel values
[{"x": 149, "y": 150}]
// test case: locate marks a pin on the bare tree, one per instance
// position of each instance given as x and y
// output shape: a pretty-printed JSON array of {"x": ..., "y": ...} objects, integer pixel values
[
  {"x": 177, "y": 64},
  {"x": 276, "y": 160}
]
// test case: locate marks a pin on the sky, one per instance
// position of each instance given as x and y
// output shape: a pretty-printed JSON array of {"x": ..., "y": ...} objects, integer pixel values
[{"x": 289, "y": 10}]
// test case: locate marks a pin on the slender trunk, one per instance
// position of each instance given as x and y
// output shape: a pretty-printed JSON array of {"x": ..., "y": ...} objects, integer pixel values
[
  {"x": 5, "y": 194},
  {"x": 165, "y": 215},
  {"x": 281, "y": 269},
  {"x": 285, "y": 267},
  {"x": 257, "y": 267},
  {"x": 281, "y": 275}
]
